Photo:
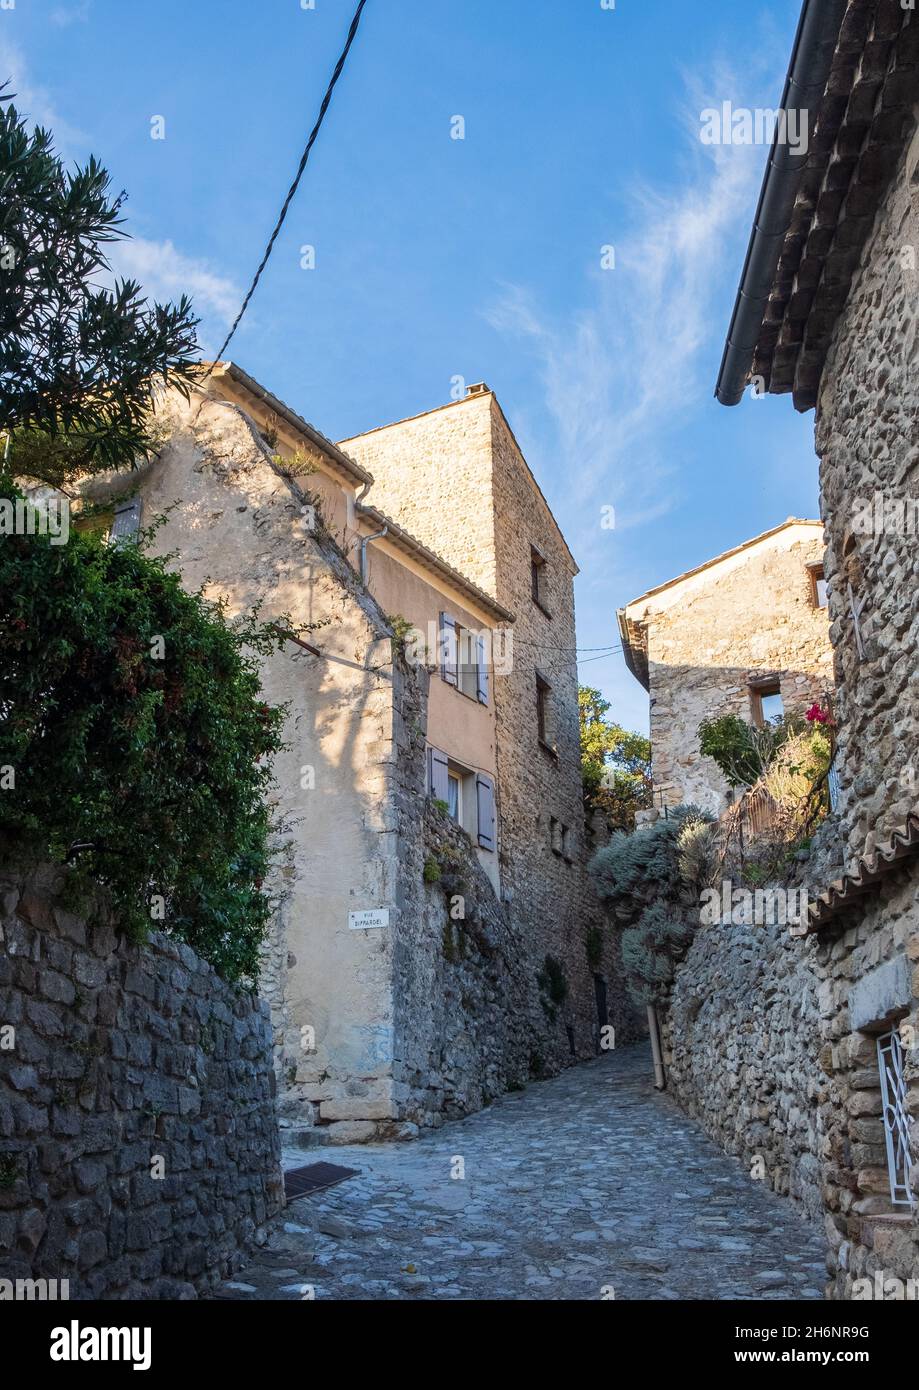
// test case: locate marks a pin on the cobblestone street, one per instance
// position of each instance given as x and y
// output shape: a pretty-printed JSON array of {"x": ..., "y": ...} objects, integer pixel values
[{"x": 577, "y": 1186}]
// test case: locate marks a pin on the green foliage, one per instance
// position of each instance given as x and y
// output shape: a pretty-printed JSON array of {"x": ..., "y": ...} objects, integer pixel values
[
  {"x": 644, "y": 864},
  {"x": 593, "y": 946},
  {"x": 743, "y": 752},
  {"x": 149, "y": 774},
  {"x": 641, "y": 877},
  {"x": 431, "y": 870},
  {"x": 553, "y": 986},
  {"x": 615, "y": 764},
  {"x": 651, "y": 948},
  {"x": 698, "y": 858},
  {"x": 78, "y": 364},
  {"x": 728, "y": 741}
]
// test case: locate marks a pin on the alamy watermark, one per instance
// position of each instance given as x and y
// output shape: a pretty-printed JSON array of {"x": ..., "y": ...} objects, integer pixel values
[
  {"x": 728, "y": 124},
  {"x": 881, "y": 515},
  {"x": 754, "y": 907},
  {"x": 49, "y": 517}
]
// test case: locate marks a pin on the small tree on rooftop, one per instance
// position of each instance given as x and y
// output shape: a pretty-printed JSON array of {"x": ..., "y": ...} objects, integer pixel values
[{"x": 78, "y": 362}]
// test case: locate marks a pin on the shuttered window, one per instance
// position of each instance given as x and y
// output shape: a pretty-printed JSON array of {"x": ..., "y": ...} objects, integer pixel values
[
  {"x": 485, "y": 808},
  {"x": 481, "y": 671},
  {"x": 449, "y": 657},
  {"x": 438, "y": 775},
  {"x": 127, "y": 520}
]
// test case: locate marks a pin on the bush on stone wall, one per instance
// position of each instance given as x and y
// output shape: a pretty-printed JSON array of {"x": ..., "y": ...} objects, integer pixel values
[
  {"x": 133, "y": 740},
  {"x": 648, "y": 879}
]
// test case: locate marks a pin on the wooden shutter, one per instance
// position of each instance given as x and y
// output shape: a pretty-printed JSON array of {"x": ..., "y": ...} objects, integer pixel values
[
  {"x": 127, "y": 520},
  {"x": 485, "y": 808},
  {"x": 449, "y": 656},
  {"x": 481, "y": 672},
  {"x": 439, "y": 779}
]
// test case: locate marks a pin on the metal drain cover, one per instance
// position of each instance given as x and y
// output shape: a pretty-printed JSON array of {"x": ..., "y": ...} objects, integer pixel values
[{"x": 315, "y": 1177}]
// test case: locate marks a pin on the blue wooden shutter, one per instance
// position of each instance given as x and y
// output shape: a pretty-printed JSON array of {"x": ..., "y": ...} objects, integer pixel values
[
  {"x": 439, "y": 784},
  {"x": 449, "y": 656},
  {"x": 481, "y": 672},
  {"x": 485, "y": 807},
  {"x": 127, "y": 520}
]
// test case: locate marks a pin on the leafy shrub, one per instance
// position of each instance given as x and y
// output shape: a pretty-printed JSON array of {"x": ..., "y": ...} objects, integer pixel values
[
  {"x": 651, "y": 948},
  {"x": 643, "y": 864},
  {"x": 644, "y": 877},
  {"x": 134, "y": 740}
]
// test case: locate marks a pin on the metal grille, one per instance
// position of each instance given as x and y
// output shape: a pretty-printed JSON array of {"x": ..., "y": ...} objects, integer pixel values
[
  {"x": 832, "y": 782},
  {"x": 315, "y": 1177},
  {"x": 896, "y": 1117}
]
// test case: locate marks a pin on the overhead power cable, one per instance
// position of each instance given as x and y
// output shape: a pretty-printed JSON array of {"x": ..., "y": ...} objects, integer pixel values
[{"x": 294, "y": 186}]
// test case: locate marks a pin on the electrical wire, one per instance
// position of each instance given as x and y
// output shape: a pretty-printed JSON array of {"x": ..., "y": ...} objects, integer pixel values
[{"x": 293, "y": 188}]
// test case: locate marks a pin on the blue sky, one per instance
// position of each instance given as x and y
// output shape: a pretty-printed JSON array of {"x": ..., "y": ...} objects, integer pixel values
[{"x": 477, "y": 258}]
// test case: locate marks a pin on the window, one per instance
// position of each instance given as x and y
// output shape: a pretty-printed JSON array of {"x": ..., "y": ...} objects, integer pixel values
[
  {"x": 544, "y": 726},
  {"x": 819, "y": 595},
  {"x": 463, "y": 659},
  {"x": 469, "y": 797},
  {"x": 766, "y": 702},
  {"x": 455, "y": 795},
  {"x": 538, "y": 579},
  {"x": 560, "y": 838},
  {"x": 896, "y": 1117}
]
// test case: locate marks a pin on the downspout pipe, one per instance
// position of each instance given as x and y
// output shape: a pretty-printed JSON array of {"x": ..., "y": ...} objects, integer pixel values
[
  {"x": 660, "y": 1078},
  {"x": 811, "y": 61},
  {"x": 365, "y": 541}
]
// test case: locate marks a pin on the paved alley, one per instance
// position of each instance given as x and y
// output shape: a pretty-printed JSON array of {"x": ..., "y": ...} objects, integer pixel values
[{"x": 587, "y": 1186}]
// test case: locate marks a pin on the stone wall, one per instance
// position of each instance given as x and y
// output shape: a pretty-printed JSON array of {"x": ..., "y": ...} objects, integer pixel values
[
  {"x": 869, "y": 472},
  {"x": 742, "y": 1048},
  {"x": 868, "y": 973},
  {"x": 714, "y": 635},
  {"x": 869, "y": 475},
  {"x": 139, "y": 1151},
  {"x": 457, "y": 478}
]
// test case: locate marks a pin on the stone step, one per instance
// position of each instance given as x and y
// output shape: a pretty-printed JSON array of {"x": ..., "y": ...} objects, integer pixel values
[{"x": 304, "y": 1137}]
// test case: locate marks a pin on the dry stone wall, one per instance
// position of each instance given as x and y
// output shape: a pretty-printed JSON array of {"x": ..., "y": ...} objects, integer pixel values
[
  {"x": 869, "y": 476},
  {"x": 741, "y": 1042},
  {"x": 139, "y": 1152}
]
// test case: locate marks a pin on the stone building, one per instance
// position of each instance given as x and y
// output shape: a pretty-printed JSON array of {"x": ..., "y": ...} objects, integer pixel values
[
  {"x": 745, "y": 634},
  {"x": 433, "y": 940},
  {"x": 828, "y": 310}
]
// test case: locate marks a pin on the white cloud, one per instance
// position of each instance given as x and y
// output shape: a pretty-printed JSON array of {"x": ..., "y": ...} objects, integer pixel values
[
  {"x": 164, "y": 271},
  {"x": 33, "y": 101},
  {"x": 167, "y": 273},
  {"x": 621, "y": 376}
]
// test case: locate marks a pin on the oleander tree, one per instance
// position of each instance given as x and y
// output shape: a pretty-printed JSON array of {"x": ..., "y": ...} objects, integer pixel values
[{"x": 79, "y": 360}]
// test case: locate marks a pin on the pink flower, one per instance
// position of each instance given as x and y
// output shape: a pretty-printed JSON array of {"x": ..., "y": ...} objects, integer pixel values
[{"x": 817, "y": 715}]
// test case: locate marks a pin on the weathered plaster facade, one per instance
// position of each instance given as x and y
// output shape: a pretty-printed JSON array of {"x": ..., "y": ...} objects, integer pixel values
[
  {"x": 385, "y": 718},
  {"x": 705, "y": 644}
]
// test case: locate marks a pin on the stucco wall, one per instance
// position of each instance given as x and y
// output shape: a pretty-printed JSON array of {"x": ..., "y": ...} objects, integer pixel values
[{"x": 240, "y": 531}]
